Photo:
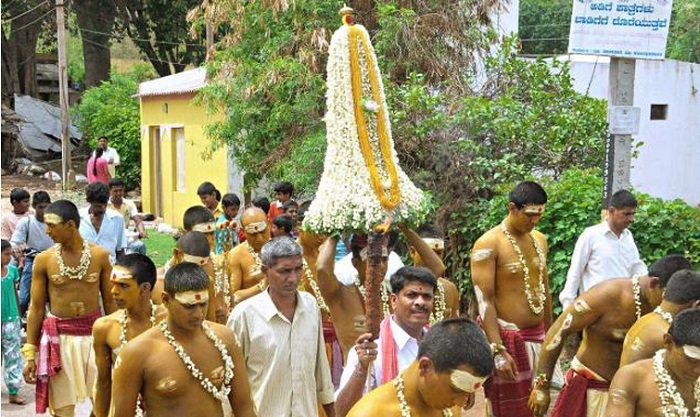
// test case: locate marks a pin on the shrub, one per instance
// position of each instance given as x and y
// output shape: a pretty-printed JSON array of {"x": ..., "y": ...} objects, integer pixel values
[{"x": 112, "y": 110}]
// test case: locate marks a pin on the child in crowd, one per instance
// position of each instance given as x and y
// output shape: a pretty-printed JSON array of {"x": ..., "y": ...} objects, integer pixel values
[
  {"x": 282, "y": 225},
  {"x": 19, "y": 198},
  {"x": 11, "y": 336}
]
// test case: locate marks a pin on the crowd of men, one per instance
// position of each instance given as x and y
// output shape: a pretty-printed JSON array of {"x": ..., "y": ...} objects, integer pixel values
[{"x": 246, "y": 321}]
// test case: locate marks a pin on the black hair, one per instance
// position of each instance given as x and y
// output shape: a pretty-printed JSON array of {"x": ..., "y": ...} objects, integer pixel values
[
  {"x": 457, "y": 341},
  {"x": 685, "y": 328},
  {"x": 18, "y": 194},
  {"x": 230, "y": 199},
  {"x": 667, "y": 266},
  {"x": 430, "y": 231},
  {"x": 103, "y": 137},
  {"x": 115, "y": 182},
  {"x": 196, "y": 215},
  {"x": 408, "y": 274},
  {"x": 66, "y": 210},
  {"x": 289, "y": 203},
  {"x": 683, "y": 287},
  {"x": 623, "y": 198},
  {"x": 185, "y": 276},
  {"x": 262, "y": 203},
  {"x": 5, "y": 244},
  {"x": 194, "y": 243},
  {"x": 141, "y": 267},
  {"x": 98, "y": 154},
  {"x": 208, "y": 188},
  {"x": 97, "y": 192},
  {"x": 303, "y": 208},
  {"x": 284, "y": 187},
  {"x": 284, "y": 222},
  {"x": 40, "y": 197},
  {"x": 527, "y": 192}
]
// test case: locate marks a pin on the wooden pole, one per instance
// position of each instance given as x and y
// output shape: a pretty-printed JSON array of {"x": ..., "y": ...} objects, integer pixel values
[
  {"x": 63, "y": 96},
  {"x": 619, "y": 147}
]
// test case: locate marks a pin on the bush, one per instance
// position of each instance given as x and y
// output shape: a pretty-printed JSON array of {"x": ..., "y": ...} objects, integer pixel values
[
  {"x": 111, "y": 110},
  {"x": 660, "y": 228}
]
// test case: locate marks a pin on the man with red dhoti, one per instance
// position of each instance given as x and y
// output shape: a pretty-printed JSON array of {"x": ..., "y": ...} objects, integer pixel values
[
  {"x": 72, "y": 275},
  {"x": 509, "y": 272}
]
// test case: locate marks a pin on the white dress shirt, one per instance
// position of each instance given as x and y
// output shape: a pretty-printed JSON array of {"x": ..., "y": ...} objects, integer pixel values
[
  {"x": 346, "y": 273},
  {"x": 110, "y": 235},
  {"x": 406, "y": 350},
  {"x": 599, "y": 255},
  {"x": 286, "y": 361}
]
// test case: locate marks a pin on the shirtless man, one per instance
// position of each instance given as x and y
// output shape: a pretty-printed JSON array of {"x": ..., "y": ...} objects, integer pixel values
[
  {"x": 427, "y": 249},
  {"x": 72, "y": 275},
  {"x": 646, "y": 336},
  {"x": 133, "y": 278},
  {"x": 244, "y": 264},
  {"x": 604, "y": 313},
  {"x": 666, "y": 385},
  {"x": 192, "y": 247},
  {"x": 185, "y": 366},
  {"x": 454, "y": 359},
  {"x": 511, "y": 283}
]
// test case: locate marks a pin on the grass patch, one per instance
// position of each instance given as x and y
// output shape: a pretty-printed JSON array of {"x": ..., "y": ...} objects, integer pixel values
[{"x": 159, "y": 246}]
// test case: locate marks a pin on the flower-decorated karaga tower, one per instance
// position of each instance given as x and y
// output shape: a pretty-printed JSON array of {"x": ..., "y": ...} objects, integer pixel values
[{"x": 363, "y": 188}]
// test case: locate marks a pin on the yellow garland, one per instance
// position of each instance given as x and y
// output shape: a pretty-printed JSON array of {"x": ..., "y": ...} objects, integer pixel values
[{"x": 391, "y": 202}]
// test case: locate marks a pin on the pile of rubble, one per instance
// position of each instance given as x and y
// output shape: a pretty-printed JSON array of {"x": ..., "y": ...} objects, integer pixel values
[{"x": 23, "y": 166}]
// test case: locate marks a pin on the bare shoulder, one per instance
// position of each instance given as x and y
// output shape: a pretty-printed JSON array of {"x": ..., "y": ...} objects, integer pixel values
[
  {"x": 447, "y": 284},
  {"x": 104, "y": 323},
  {"x": 380, "y": 402},
  {"x": 161, "y": 312},
  {"x": 143, "y": 344},
  {"x": 488, "y": 240},
  {"x": 98, "y": 252},
  {"x": 631, "y": 376},
  {"x": 45, "y": 256},
  {"x": 539, "y": 236},
  {"x": 222, "y": 331}
]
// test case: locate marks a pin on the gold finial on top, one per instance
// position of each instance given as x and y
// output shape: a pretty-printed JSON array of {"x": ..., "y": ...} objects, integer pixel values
[{"x": 346, "y": 14}]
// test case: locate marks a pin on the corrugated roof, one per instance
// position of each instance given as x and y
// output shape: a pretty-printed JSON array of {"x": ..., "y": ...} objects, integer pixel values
[
  {"x": 180, "y": 83},
  {"x": 41, "y": 129}
]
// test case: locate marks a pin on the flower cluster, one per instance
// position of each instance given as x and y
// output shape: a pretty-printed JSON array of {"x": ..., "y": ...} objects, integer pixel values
[
  {"x": 664, "y": 314},
  {"x": 79, "y": 271},
  {"x": 439, "y": 306},
  {"x": 221, "y": 282},
  {"x": 403, "y": 404},
  {"x": 672, "y": 404},
  {"x": 123, "y": 341},
  {"x": 219, "y": 394},
  {"x": 309, "y": 278},
  {"x": 637, "y": 290},
  {"x": 346, "y": 198}
]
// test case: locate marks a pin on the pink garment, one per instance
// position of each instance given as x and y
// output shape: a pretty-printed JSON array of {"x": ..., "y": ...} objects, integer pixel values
[
  {"x": 9, "y": 223},
  {"x": 390, "y": 357},
  {"x": 102, "y": 169}
]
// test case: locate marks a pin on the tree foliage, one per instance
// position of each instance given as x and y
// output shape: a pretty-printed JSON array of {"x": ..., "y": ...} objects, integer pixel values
[
  {"x": 159, "y": 29},
  {"x": 684, "y": 34},
  {"x": 111, "y": 110}
]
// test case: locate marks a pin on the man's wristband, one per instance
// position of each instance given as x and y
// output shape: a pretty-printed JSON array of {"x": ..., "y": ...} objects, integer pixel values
[
  {"x": 541, "y": 380},
  {"x": 28, "y": 352},
  {"x": 497, "y": 348}
]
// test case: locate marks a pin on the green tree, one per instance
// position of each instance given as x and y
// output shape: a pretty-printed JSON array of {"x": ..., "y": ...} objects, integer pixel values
[
  {"x": 159, "y": 29},
  {"x": 111, "y": 110},
  {"x": 684, "y": 33},
  {"x": 544, "y": 26}
]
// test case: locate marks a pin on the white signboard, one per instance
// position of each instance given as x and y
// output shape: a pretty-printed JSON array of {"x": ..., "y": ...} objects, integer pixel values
[
  {"x": 621, "y": 28},
  {"x": 623, "y": 120}
]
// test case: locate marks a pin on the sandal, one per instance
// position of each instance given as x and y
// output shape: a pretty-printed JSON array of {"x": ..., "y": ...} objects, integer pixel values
[{"x": 16, "y": 399}]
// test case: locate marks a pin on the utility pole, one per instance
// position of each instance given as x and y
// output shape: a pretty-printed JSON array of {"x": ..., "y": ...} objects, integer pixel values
[
  {"x": 63, "y": 95},
  {"x": 619, "y": 146}
]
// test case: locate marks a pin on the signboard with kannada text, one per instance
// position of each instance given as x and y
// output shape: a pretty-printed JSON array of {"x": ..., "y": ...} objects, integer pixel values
[{"x": 620, "y": 28}]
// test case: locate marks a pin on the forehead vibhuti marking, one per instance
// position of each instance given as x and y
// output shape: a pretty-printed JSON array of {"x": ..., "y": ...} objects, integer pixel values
[{"x": 52, "y": 218}]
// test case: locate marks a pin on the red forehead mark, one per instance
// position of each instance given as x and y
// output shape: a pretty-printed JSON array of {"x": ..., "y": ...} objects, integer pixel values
[{"x": 197, "y": 297}]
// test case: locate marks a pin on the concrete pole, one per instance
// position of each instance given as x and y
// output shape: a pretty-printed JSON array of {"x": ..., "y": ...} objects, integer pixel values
[{"x": 63, "y": 95}]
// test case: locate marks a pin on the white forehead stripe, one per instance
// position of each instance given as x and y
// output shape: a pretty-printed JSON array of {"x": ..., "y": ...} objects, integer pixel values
[
  {"x": 121, "y": 273},
  {"x": 692, "y": 352},
  {"x": 204, "y": 227},
  {"x": 534, "y": 208},
  {"x": 255, "y": 227},
  {"x": 435, "y": 244},
  {"x": 465, "y": 381},
  {"x": 199, "y": 260},
  {"x": 192, "y": 297}
]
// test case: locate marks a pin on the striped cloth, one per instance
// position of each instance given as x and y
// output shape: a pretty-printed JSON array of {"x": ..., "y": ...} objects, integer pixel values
[
  {"x": 509, "y": 398},
  {"x": 583, "y": 386}
]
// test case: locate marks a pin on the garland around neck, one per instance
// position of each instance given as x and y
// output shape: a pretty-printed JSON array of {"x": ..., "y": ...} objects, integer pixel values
[
  {"x": 664, "y": 314},
  {"x": 78, "y": 272},
  {"x": 536, "y": 308},
  {"x": 672, "y": 404},
  {"x": 637, "y": 296},
  {"x": 123, "y": 341},
  {"x": 403, "y": 404},
  {"x": 219, "y": 394}
]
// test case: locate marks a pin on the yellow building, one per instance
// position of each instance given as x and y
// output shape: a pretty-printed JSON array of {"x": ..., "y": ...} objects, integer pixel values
[{"x": 174, "y": 160}]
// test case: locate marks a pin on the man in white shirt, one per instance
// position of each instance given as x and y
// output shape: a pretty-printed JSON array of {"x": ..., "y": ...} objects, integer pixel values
[
  {"x": 412, "y": 290},
  {"x": 281, "y": 337},
  {"x": 129, "y": 212},
  {"x": 604, "y": 251},
  {"x": 110, "y": 155},
  {"x": 99, "y": 225}
]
